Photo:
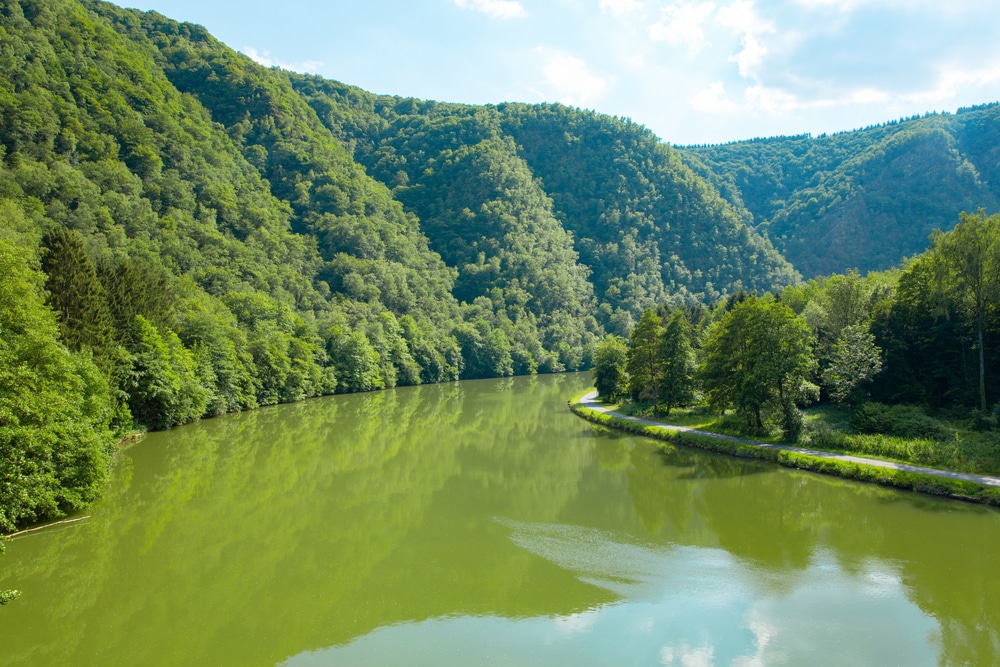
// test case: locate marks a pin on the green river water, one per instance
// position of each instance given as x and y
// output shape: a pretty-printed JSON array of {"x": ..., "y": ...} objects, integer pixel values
[{"x": 482, "y": 523}]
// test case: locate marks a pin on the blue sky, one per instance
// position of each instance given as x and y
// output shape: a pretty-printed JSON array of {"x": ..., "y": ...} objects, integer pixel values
[{"x": 698, "y": 71}]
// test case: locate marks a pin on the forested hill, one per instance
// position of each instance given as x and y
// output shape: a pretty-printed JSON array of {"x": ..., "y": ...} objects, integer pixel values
[
  {"x": 862, "y": 199},
  {"x": 185, "y": 233},
  {"x": 648, "y": 229}
]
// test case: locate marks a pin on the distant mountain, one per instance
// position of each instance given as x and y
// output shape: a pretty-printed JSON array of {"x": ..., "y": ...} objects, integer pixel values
[{"x": 862, "y": 199}]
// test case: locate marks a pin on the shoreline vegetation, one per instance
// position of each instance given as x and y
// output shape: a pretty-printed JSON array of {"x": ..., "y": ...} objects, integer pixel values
[
  {"x": 932, "y": 481},
  {"x": 185, "y": 233}
]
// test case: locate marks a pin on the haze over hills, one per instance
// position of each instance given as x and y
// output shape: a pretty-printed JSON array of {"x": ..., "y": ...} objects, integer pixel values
[{"x": 196, "y": 234}]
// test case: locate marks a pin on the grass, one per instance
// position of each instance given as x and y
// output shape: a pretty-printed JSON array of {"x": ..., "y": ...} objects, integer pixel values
[
  {"x": 824, "y": 417},
  {"x": 910, "y": 434},
  {"x": 700, "y": 417}
]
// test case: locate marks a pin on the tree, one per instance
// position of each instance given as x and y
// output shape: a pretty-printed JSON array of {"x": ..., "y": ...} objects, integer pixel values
[
  {"x": 165, "y": 388},
  {"x": 969, "y": 266},
  {"x": 643, "y": 367},
  {"x": 610, "y": 359},
  {"x": 677, "y": 362},
  {"x": 757, "y": 355},
  {"x": 75, "y": 293},
  {"x": 55, "y": 406},
  {"x": 356, "y": 362},
  {"x": 855, "y": 359}
]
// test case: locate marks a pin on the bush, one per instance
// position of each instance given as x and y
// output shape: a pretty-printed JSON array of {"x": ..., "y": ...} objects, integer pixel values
[{"x": 905, "y": 421}]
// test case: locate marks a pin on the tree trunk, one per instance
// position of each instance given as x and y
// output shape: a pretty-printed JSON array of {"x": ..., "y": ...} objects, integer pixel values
[{"x": 982, "y": 367}]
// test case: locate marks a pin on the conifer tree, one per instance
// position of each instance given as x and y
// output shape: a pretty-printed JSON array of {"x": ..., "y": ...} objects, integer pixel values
[
  {"x": 677, "y": 360},
  {"x": 644, "y": 367},
  {"x": 76, "y": 295}
]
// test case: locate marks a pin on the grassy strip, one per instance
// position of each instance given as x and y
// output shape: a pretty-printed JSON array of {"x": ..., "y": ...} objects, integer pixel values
[{"x": 938, "y": 486}]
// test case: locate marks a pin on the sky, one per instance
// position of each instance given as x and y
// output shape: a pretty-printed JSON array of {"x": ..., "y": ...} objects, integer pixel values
[{"x": 693, "y": 71}]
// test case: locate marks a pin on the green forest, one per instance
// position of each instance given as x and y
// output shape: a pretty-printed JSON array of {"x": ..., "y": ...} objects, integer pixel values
[
  {"x": 185, "y": 233},
  {"x": 910, "y": 356},
  {"x": 864, "y": 199}
]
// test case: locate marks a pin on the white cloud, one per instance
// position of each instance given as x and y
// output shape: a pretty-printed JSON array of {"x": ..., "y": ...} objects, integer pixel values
[
  {"x": 258, "y": 57},
  {"x": 620, "y": 7},
  {"x": 264, "y": 58},
  {"x": 742, "y": 18},
  {"x": 843, "y": 6},
  {"x": 952, "y": 80},
  {"x": 713, "y": 100},
  {"x": 495, "y": 9},
  {"x": 681, "y": 25},
  {"x": 570, "y": 78},
  {"x": 699, "y": 657}
]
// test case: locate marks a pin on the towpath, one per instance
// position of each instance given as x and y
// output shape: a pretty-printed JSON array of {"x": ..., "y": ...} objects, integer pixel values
[{"x": 590, "y": 401}]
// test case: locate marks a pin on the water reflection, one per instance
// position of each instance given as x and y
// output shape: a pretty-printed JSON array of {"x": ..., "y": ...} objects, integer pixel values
[
  {"x": 482, "y": 523},
  {"x": 685, "y": 606}
]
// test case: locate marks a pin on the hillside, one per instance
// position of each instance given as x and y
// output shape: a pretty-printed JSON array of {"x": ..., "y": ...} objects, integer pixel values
[
  {"x": 862, "y": 199},
  {"x": 646, "y": 226},
  {"x": 187, "y": 233}
]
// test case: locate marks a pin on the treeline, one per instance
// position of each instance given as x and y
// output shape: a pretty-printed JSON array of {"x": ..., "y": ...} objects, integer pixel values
[{"x": 926, "y": 334}]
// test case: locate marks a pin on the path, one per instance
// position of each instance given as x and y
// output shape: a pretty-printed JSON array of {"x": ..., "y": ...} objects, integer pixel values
[{"x": 590, "y": 401}]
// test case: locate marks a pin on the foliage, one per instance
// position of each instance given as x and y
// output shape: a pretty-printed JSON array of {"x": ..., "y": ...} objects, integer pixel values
[
  {"x": 677, "y": 358},
  {"x": 610, "y": 359},
  {"x": 863, "y": 199},
  {"x": 969, "y": 266},
  {"x": 645, "y": 365},
  {"x": 636, "y": 213},
  {"x": 855, "y": 360},
  {"x": 756, "y": 356},
  {"x": 55, "y": 406}
]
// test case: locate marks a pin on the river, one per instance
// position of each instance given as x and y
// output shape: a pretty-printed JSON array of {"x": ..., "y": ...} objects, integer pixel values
[{"x": 481, "y": 523}]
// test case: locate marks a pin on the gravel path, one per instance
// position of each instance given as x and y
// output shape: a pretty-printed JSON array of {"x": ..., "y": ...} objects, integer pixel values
[{"x": 590, "y": 401}]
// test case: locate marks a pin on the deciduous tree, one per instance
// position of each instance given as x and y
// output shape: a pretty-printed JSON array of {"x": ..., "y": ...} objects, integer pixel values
[
  {"x": 757, "y": 355},
  {"x": 969, "y": 267},
  {"x": 610, "y": 359}
]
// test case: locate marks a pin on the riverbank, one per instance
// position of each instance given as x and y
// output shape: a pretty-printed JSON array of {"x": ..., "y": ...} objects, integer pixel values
[{"x": 961, "y": 486}]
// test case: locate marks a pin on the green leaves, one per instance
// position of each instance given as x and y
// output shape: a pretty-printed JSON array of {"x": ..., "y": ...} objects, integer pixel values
[
  {"x": 756, "y": 356},
  {"x": 55, "y": 406},
  {"x": 610, "y": 359},
  {"x": 855, "y": 360}
]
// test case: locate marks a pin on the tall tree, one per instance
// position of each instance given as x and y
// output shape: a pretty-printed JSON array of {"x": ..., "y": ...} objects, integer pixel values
[
  {"x": 969, "y": 266},
  {"x": 677, "y": 361},
  {"x": 610, "y": 359},
  {"x": 757, "y": 355},
  {"x": 75, "y": 293},
  {"x": 855, "y": 359},
  {"x": 643, "y": 367}
]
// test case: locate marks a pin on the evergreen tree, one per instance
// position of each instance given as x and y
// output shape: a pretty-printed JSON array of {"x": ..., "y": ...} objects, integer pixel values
[
  {"x": 644, "y": 366},
  {"x": 76, "y": 295},
  {"x": 677, "y": 358}
]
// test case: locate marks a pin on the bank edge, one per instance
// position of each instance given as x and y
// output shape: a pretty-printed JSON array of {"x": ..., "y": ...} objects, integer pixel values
[{"x": 910, "y": 481}]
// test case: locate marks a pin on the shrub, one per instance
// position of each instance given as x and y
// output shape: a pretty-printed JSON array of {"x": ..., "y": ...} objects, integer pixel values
[{"x": 905, "y": 421}]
